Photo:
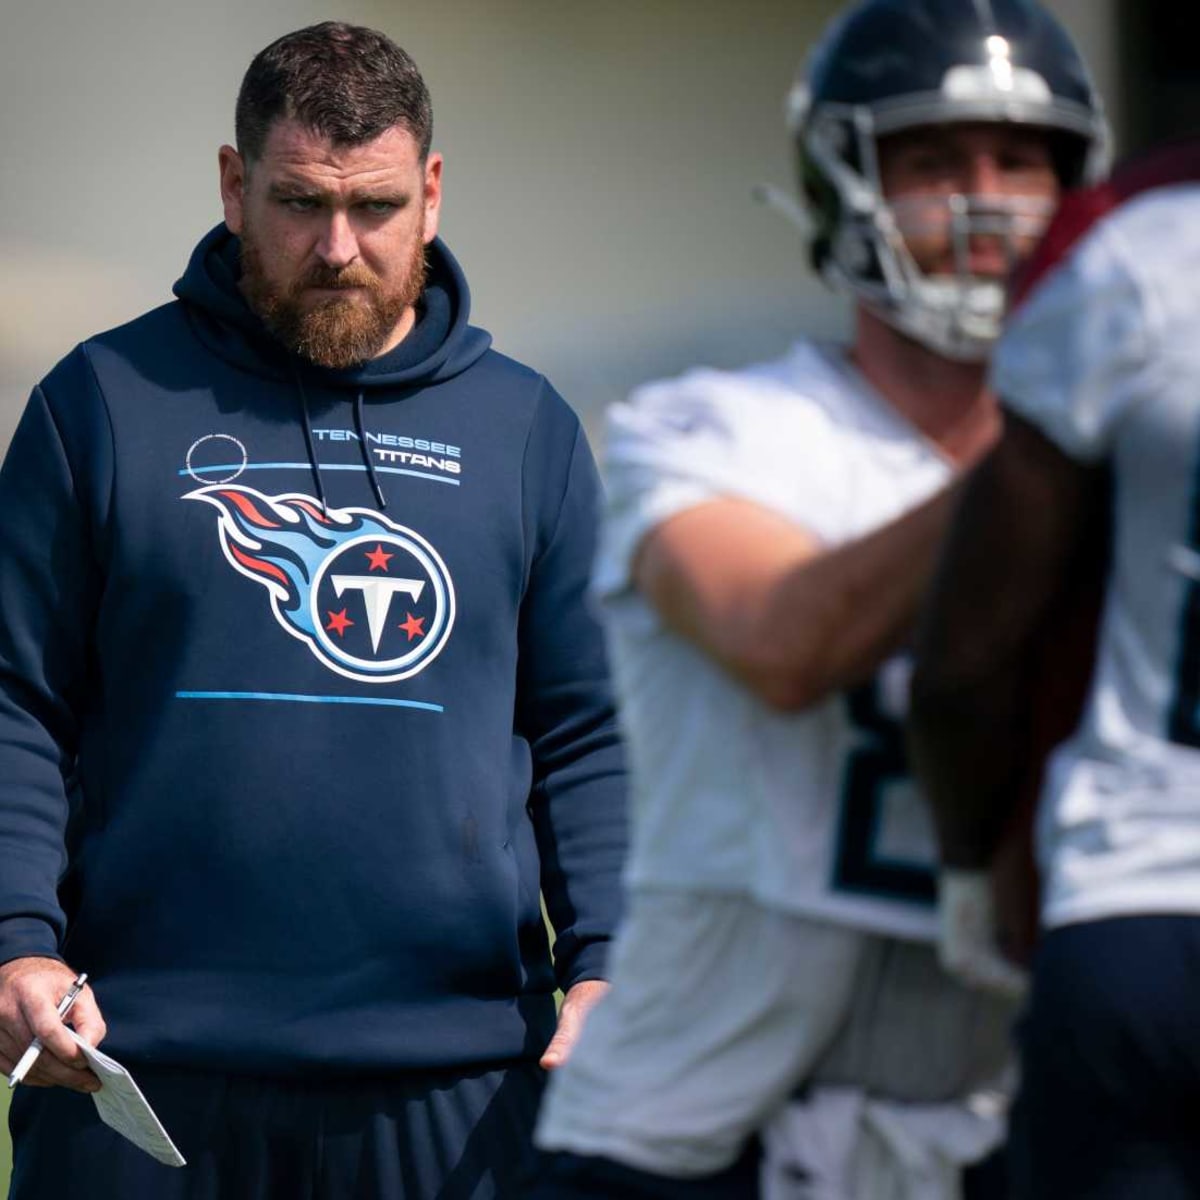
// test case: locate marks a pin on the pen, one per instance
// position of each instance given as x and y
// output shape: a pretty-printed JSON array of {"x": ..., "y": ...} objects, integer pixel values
[{"x": 35, "y": 1047}]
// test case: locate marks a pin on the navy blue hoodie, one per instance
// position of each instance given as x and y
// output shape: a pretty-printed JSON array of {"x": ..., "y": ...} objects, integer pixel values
[{"x": 300, "y": 700}]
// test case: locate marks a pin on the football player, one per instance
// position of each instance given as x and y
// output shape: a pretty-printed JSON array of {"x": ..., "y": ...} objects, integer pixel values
[
  {"x": 1098, "y": 370},
  {"x": 769, "y": 534}
]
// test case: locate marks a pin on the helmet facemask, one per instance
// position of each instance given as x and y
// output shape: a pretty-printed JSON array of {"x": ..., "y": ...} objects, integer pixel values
[{"x": 956, "y": 313}]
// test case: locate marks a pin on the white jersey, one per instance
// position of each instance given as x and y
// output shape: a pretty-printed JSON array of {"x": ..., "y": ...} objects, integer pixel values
[
  {"x": 1104, "y": 357},
  {"x": 812, "y": 813}
]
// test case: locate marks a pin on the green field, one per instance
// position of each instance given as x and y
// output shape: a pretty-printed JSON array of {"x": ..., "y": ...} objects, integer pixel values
[{"x": 5, "y": 1156}]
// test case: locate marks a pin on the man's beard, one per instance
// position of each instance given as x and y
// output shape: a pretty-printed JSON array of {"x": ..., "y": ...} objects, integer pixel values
[{"x": 337, "y": 332}]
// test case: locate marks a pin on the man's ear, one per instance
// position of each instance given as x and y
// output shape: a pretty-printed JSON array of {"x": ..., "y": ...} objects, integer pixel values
[
  {"x": 233, "y": 187},
  {"x": 432, "y": 195}
]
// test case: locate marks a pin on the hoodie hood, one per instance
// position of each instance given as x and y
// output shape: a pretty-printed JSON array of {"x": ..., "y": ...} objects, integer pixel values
[{"x": 441, "y": 345}]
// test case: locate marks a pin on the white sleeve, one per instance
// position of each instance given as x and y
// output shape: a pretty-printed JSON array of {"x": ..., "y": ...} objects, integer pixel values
[
  {"x": 677, "y": 444},
  {"x": 1074, "y": 355}
]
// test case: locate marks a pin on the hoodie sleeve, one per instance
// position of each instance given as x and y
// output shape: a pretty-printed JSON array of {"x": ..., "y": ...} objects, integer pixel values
[
  {"x": 49, "y": 588},
  {"x": 565, "y": 705}
]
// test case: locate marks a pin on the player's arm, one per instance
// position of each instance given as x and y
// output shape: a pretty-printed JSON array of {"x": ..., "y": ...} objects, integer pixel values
[
  {"x": 789, "y": 617},
  {"x": 1014, "y": 542}
]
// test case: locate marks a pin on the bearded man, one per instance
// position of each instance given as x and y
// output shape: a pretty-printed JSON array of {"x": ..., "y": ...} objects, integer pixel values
[{"x": 301, "y": 706}]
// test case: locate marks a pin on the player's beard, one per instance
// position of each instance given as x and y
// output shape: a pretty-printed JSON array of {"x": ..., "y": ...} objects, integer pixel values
[{"x": 336, "y": 332}]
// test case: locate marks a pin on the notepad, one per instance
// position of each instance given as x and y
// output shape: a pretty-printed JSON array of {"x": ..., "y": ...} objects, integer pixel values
[{"x": 122, "y": 1107}]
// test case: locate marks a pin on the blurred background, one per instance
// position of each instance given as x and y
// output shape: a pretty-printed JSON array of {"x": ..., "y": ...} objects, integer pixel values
[{"x": 599, "y": 165}]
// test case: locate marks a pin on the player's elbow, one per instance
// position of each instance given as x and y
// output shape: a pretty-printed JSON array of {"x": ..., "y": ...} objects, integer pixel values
[
  {"x": 787, "y": 694},
  {"x": 785, "y": 682}
]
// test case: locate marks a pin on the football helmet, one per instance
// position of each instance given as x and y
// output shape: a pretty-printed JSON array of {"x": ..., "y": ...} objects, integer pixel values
[{"x": 885, "y": 66}]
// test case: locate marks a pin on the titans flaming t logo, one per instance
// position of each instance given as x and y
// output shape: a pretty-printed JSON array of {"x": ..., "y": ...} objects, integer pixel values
[{"x": 370, "y": 598}]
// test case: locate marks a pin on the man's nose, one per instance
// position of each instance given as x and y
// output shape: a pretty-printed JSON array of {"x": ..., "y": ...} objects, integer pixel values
[
  {"x": 338, "y": 246},
  {"x": 984, "y": 176}
]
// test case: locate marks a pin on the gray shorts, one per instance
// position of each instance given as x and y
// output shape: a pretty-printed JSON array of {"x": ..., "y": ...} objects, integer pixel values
[
  {"x": 720, "y": 1008},
  {"x": 912, "y": 1033}
]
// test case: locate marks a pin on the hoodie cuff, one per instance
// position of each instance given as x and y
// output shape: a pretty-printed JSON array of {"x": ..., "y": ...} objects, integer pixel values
[
  {"x": 588, "y": 962},
  {"x": 27, "y": 937}
]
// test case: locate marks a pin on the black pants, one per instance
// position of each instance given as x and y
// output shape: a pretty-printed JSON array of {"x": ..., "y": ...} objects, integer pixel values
[
  {"x": 417, "y": 1136},
  {"x": 1109, "y": 1107},
  {"x": 579, "y": 1177}
]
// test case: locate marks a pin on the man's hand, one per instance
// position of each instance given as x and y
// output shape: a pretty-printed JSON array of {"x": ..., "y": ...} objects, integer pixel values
[
  {"x": 967, "y": 944},
  {"x": 30, "y": 989},
  {"x": 576, "y": 1005}
]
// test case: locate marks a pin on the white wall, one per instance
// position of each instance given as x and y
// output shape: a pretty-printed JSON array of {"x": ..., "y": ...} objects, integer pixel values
[
  {"x": 599, "y": 162},
  {"x": 1094, "y": 25},
  {"x": 599, "y": 165}
]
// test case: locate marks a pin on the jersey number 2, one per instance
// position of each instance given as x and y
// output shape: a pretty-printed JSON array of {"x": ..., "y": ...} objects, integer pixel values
[{"x": 875, "y": 769}]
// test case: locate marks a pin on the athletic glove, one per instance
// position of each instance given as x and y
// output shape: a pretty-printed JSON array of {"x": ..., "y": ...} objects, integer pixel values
[{"x": 967, "y": 935}]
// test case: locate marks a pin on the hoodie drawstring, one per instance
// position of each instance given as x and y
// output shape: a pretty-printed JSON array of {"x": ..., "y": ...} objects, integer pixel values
[
  {"x": 309, "y": 443},
  {"x": 380, "y": 498}
]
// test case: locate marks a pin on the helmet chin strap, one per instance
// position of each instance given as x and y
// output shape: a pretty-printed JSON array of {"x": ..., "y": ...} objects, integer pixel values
[{"x": 957, "y": 318}]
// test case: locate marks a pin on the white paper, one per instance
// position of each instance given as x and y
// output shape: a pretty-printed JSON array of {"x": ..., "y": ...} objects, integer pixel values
[{"x": 122, "y": 1107}]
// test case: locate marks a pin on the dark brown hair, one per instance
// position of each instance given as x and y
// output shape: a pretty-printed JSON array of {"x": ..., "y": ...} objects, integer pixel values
[{"x": 344, "y": 82}]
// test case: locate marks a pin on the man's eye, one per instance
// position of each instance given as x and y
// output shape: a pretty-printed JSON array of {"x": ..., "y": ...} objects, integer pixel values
[
  {"x": 1023, "y": 162},
  {"x": 378, "y": 208},
  {"x": 931, "y": 164},
  {"x": 299, "y": 204}
]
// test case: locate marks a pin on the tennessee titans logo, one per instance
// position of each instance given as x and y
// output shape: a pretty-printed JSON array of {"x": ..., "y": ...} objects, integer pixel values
[{"x": 370, "y": 598}]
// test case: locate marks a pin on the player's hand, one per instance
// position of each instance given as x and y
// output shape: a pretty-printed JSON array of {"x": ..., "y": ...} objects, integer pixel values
[
  {"x": 30, "y": 989},
  {"x": 576, "y": 1005},
  {"x": 967, "y": 944}
]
